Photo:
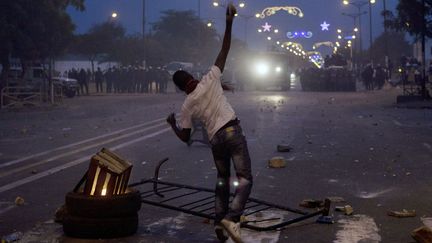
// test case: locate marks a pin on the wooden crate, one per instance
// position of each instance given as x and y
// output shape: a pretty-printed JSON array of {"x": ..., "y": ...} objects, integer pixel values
[{"x": 107, "y": 175}]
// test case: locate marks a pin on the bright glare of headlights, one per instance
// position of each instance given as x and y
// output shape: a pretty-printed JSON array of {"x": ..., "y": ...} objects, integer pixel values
[
  {"x": 278, "y": 69},
  {"x": 262, "y": 68}
]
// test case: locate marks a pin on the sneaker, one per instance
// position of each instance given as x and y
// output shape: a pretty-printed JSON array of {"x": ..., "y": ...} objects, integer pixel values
[
  {"x": 220, "y": 233},
  {"x": 233, "y": 230}
]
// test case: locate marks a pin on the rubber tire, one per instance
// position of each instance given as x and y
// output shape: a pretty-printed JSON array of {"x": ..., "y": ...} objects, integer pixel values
[
  {"x": 80, "y": 227},
  {"x": 123, "y": 205}
]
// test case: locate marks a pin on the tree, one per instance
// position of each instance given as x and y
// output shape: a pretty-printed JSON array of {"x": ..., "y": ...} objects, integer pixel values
[
  {"x": 186, "y": 38},
  {"x": 409, "y": 17},
  {"x": 34, "y": 30},
  {"x": 100, "y": 40},
  {"x": 393, "y": 41},
  {"x": 414, "y": 16}
]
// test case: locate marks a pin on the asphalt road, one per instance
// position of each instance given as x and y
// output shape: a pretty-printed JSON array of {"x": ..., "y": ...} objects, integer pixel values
[{"x": 357, "y": 146}]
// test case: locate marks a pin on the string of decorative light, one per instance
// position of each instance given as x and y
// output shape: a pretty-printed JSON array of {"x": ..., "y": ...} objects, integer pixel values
[
  {"x": 269, "y": 11},
  {"x": 324, "y": 43},
  {"x": 293, "y": 44},
  {"x": 299, "y": 34}
]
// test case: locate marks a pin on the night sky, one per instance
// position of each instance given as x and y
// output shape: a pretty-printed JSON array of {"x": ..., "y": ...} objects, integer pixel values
[{"x": 315, "y": 13}]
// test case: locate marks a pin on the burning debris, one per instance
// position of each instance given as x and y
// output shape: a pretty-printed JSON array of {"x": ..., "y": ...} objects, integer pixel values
[{"x": 104, "y": 207}]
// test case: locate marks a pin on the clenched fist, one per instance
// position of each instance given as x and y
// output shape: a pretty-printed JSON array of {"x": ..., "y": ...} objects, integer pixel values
[{"x": 231, "y": 12}]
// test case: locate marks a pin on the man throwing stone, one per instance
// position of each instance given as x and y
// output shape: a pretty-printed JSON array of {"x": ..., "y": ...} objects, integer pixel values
[{"x": 205, "y": 101}]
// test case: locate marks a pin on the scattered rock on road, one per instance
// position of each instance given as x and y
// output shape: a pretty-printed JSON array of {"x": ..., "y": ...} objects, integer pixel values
[
  {"x": 336, "y": 199},
  {"x": 60, "y": 214},
  {"x": 19, "y": 201},
  {"x": 277, "y": 162},
  {"x": 16, "y": 236},
  {"x": 311, "y": 203},
  {"x": 402, "y": 214},
  {"x": 347, "y": 209},
  {"x": 284, "y": 148}
]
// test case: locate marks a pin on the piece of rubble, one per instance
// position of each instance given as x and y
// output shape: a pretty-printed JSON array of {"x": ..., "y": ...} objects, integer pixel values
[
  {"x": 311, "y": 203},
  {"x": 277, "y": 162},
  {"x": 16, "y": 236},
  {"x": 19, "y": 201},
  {"x": 60, "y": 214},
  {"x": 336, "y": 199},
  {"x": 284, "y": 148},
  {"x": 325, "y": 220},
  {"x": 422, "y": 234},
  {"x": 347, "y": 209},
  {"x": 402, "y": 214}
]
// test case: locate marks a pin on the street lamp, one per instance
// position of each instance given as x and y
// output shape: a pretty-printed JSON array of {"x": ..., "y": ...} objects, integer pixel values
[
  {"x": 216, "y": 3},
  {"x": 350, "y": 37},
  {"x": 114, "y": 15},
  {"x": 359, "y": 4},
  {"x": 354, "y": 17}
]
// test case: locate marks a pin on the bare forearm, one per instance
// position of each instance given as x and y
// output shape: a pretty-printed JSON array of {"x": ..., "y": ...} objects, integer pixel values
[{"x": 226, "y": 45}]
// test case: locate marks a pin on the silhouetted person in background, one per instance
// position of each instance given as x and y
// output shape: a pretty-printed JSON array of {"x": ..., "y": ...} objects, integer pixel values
[
  {"x": 367, "y": 77},
  {"x": 99, "y": 80},
  {"x": 83, "y": 82}
]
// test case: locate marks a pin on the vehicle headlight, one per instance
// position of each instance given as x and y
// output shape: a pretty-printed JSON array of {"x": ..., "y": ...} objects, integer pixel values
[
  {"x": 278, "y": 69},
  {"x": 262, "y": 68}
]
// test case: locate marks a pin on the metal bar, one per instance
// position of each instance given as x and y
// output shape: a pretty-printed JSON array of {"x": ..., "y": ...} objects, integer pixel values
[
  {"x": 212, "y": 207},
  {"x": 278, "y": 206},
  {"x": 143, "y": 181},
  {"x": 202, "y": 204},
  {"x": 168, "y": 190},
  {"x": 277, "y": 226},
  {"x": 257, "y": 204},
  {"x": 165, "y": 187},
  {"x": 259, "y": 210},
  {"x": 178, "y": 209},
  {"x": 188, "y": 204},
  {"x": 156, "y": 176},
  {"x": 187, "y": 194}
]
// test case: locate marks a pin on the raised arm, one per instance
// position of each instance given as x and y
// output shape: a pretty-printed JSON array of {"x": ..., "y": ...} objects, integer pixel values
[{"x": 223, "y": 54}]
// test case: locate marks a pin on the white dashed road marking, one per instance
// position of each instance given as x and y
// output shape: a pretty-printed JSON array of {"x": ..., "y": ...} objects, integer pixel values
[
  {"x": 73, "y": 163},
  {"x": 358, "y": 228}
]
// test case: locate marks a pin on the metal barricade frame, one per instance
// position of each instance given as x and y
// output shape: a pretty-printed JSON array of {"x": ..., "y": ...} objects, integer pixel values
[{"x": 199, "y": 201}]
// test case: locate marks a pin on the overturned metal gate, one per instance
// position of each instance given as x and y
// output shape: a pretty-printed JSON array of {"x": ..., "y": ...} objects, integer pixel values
[{"x": 200, "y": 202}]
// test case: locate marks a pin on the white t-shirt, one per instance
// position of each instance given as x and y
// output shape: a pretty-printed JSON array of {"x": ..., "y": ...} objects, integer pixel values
[{"x": 208, "y": 104}]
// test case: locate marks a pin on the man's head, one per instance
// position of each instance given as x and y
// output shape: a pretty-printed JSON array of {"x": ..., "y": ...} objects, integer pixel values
[{"x": 181, "y": 78}]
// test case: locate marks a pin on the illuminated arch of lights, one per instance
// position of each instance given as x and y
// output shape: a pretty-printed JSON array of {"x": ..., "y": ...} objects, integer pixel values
[
  {"x": 269, "y": 11},
  {"x": 325, "y": 43},
  {"x": 297, "y": 49},
  {"x": 299, "y": 34},
  {"x": 316, "y": 58},
  {"x": 292, "y": 44},
  {"x": 294, "y": 48}
]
